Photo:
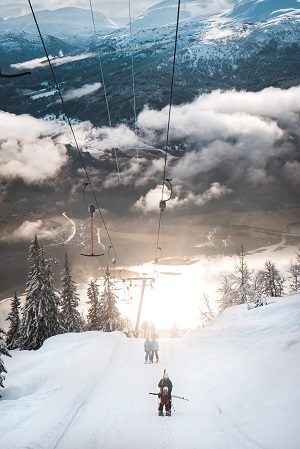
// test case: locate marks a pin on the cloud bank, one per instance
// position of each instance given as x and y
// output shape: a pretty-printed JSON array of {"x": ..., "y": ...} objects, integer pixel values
[
  {"x": 29, "y": 229},
  {"x": 55, "y": 61},
  {"x": 150, "y": 202},
  {"x": 28, "y": 149},
  {"x": 227, "y": 141},
  {"x": 87, "y": 89},
  {"x": 251, "y": 137}
]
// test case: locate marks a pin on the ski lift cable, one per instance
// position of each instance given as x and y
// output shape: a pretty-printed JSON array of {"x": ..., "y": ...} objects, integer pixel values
[
  {"x": 70, "y": 125},
  {"x": 132, "y": 64},
  {"x": 162, "y": 202},
  {"x": 104, "y": 89}
]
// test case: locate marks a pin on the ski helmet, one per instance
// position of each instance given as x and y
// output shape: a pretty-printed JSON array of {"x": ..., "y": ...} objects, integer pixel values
[{"x": 166, "y": 376}]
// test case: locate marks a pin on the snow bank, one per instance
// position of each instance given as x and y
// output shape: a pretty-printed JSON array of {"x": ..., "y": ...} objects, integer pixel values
[{"x": 90, "y": 390}]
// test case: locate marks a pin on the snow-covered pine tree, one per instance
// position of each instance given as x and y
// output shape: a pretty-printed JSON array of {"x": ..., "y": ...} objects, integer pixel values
[
  {"x": 3, "y": 351},
  {"x": 69, "y": 301},
  {"x": 294, "y": 271},
  {"x": 93, "y": 316},
  {"x": 13, "y": 333},
  {"x": 109, "y": 313},
  {"x": 49, "y": 311},
  {"x": 41, "y": 316},
  {"x": 270, "y": 281},
  {"x": 29, "y": 319}
]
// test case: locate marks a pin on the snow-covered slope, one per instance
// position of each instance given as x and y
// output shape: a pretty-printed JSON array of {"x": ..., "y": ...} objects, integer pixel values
[
  {"x": 90, "y": 390},
  {"x": 262, "y": 10},
  {"x": 165, "y": 12}
]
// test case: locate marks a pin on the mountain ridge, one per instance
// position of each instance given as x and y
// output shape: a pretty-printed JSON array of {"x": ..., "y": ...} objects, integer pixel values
[{"x": 211, "y": 54}]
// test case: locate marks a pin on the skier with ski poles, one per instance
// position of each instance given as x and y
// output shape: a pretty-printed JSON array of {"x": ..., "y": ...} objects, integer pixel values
[{"x": 165, "y": 395}]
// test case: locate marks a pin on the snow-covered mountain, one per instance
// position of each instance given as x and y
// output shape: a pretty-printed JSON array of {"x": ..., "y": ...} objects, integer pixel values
[
  {"x": 165, "y": 12},
  {"x": 222, "y": 44},
  {"x": 263, "y": 10},
  {"x": 69, "y": 24}
]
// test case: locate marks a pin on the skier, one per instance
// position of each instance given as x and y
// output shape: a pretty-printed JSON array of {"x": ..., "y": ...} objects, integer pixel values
[
  {"x": 154, "y": 349},
  {"x": 147, "y": 347},
  {"x": 164, "y": 401},
  {"x": 165, "y": 382}
]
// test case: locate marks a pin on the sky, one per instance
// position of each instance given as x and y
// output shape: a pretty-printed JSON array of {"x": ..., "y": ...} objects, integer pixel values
[
  {"x": 111, "y": 8},
  {"x": 240, "y": 378}
]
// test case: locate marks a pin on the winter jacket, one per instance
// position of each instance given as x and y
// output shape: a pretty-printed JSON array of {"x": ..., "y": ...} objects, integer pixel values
[
  {"x": 165, "y": 383},
  {"x": 155, "y": 346},
  {"x": 147, "y": 345}
]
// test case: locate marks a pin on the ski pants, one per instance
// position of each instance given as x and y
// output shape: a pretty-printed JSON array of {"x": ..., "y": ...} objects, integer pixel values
[
  {"x": 147, "y": 356},
  {"x": 167, "y": 406},
  {"x": 156, "y": 355}
]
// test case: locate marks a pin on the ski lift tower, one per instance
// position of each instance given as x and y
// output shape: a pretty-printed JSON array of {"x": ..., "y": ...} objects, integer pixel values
[{"x": 144, "y": 283}]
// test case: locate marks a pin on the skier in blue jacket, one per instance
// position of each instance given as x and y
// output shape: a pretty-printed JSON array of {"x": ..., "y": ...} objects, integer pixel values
[{"x": 148, "y": 348}]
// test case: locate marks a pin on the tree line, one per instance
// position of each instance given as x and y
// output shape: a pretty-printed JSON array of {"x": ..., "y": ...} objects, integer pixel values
[
  {"x": 245, "y": 286},
  {"x": 48, "y": 312}
]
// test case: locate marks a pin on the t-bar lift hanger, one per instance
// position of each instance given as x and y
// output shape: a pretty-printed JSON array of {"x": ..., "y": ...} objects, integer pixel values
[{"x": 92, "y": 210}]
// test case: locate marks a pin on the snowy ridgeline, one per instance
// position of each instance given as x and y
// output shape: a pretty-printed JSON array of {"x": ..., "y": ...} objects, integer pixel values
[{"x": 90, "y": 390}]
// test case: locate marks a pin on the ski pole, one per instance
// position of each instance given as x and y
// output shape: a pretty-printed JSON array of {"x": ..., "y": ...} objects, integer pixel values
[{"x": 179, "y": 397}]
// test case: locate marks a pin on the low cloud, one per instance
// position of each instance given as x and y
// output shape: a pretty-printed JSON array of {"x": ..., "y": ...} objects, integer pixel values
[
  {"x": 150, "y": 202},
  {"x": 55, "y": 61},
  {"x": 28, "y": 149},
  {"x": 29, "y": 229},
  {"x": 237, "y": 136},
  {"x": 292, "y": 171},
  {"x": 87, "y": 89},
  {"x": 227, "y": 140}
]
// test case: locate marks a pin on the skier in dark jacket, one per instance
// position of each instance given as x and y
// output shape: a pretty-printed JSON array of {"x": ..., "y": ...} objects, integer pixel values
[
  {"x": 164, "y": 401},
  {"x": 165, "y": 395}
]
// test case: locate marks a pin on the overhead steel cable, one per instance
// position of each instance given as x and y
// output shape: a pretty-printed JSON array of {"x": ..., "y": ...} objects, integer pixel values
[
  {"x": 168, "y": 128},
  {"x": 132, "y": 64},
  {"x": 104, "y": 89},
  {"x": 70, "y": 125}
]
